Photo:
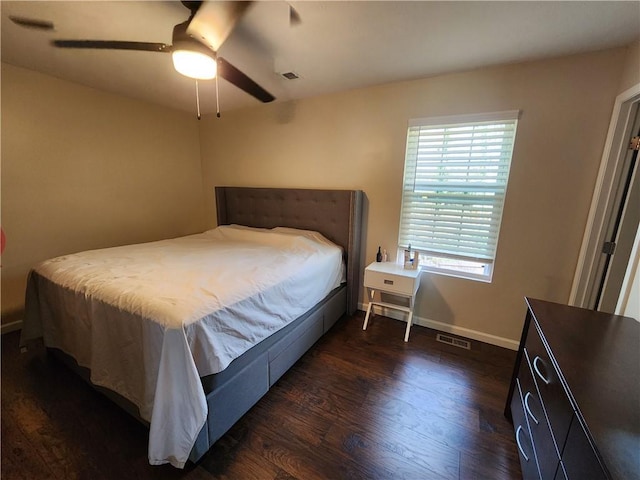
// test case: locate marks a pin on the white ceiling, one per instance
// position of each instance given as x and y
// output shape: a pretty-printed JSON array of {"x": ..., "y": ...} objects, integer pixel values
[{"x": 338, "y": 46}]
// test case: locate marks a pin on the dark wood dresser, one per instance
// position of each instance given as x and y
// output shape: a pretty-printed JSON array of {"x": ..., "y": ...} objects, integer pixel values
[{"x": 575, "y": 394}]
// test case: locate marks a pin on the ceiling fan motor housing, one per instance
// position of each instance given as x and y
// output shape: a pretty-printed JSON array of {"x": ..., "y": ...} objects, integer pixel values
[{"x": 183, "y": 41}]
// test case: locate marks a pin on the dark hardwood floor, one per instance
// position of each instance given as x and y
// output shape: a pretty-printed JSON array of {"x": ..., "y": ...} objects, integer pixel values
[{"x": 358, "y": 405}]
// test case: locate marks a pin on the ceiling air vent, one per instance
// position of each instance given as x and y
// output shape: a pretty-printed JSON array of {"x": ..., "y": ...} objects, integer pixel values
[
  {"x": 456, "y": 342},
  {"x": 290, "y": 75}
]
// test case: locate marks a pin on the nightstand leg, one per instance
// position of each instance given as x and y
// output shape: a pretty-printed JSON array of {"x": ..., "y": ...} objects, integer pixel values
[
  {"x": 406, "y": 332},
  {"x": 366, "y": 317},
  {"x": 409, "y": 319}
]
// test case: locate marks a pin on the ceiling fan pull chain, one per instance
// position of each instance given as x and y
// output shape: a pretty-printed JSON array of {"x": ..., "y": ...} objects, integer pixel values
[
  {"x": 198, "y": 99},
  {"x": 217, "y": 99}
]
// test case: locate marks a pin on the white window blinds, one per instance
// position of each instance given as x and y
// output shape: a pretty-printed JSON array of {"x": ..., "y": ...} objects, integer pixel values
[{"x": 455, "y": 180}]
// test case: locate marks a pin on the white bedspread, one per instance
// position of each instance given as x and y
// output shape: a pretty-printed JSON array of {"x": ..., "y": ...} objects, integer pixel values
[{"x": 149, "y": 320}]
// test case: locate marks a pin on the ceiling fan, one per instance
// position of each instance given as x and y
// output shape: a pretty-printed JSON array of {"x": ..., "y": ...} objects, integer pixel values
[{"x": 194, "y": 47}]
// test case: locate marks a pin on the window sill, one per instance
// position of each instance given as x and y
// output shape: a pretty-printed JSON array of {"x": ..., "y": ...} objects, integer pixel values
[{"x": 457, "y": 274}]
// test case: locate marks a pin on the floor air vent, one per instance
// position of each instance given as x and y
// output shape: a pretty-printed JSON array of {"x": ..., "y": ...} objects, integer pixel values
[{"x": 456, "y": 342}]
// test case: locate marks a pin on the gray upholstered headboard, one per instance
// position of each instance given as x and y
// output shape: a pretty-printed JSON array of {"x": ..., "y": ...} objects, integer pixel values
[{"x": 336, "y": 214}]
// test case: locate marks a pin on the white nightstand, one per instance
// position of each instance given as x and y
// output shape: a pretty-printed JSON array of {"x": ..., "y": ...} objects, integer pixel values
[{"x": 388, "y": 277}]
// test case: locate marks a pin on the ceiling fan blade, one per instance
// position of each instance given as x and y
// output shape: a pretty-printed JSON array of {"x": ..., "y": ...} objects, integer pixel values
[
  {"x": 113, "y": 45},
  {"x": 294, "y": 17},
  {"x": 240, "y": 80},
  {"x": 32, "y": 23},
  {"x": 213, "y": 22},
  {"x": 192, "y": 5}
]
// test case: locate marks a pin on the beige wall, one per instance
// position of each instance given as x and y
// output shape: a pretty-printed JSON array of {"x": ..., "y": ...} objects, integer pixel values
[
  {"x": 84, "y": 169},
  {"x": 356, "y": 139},
  {"x": 631, "y": 72}
]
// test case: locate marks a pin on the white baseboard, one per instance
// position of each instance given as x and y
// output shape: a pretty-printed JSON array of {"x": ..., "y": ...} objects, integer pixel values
[
  {"x": 446, "y": 327},
  {"x": 10, "y": 327}
]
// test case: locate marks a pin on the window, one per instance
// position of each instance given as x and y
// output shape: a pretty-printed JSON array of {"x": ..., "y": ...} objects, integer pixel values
[{"x": 455, "y": 181}]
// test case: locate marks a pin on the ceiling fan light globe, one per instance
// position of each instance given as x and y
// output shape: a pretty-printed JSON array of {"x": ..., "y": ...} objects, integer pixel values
[{"x": 194, "y": 64}]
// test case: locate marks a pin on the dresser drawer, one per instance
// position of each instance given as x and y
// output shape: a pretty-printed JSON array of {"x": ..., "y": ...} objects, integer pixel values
[
  {"x": 389, "y": 282},
  {"x": 561, "y": 474},
  {"x": 526, "y": 450},
  {"x": 553, "y": 395},
  {"x": 545, "y": 445},
  {"x": 579, "y": 458}
]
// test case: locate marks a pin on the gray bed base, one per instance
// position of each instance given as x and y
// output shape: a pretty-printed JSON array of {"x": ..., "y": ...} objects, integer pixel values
[{"x": 231, "y": 393}]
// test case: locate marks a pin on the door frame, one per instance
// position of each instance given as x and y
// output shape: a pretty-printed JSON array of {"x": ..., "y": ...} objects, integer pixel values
[
  {"x": 587, "y": 275},
  {"x": 631, "y": 276}
]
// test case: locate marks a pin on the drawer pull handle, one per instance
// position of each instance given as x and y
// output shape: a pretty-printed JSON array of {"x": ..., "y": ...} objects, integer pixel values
[
  {"x": 537, "y": 369},
  {"x": 528, "y": 409},
  {"x": 524, "y": 455},
  {"x": 388, "y": 282}
]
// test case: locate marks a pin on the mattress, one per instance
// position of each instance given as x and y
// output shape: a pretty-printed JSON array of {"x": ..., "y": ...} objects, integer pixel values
[{"x": 149, "y": 320}]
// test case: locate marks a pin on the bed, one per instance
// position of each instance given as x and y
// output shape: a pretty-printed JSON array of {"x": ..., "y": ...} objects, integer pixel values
[{"x": 156, "y": 360}]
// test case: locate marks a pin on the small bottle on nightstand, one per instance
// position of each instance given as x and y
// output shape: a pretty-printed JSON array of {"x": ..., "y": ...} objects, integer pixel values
[{"x": 379, "y": 255}]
